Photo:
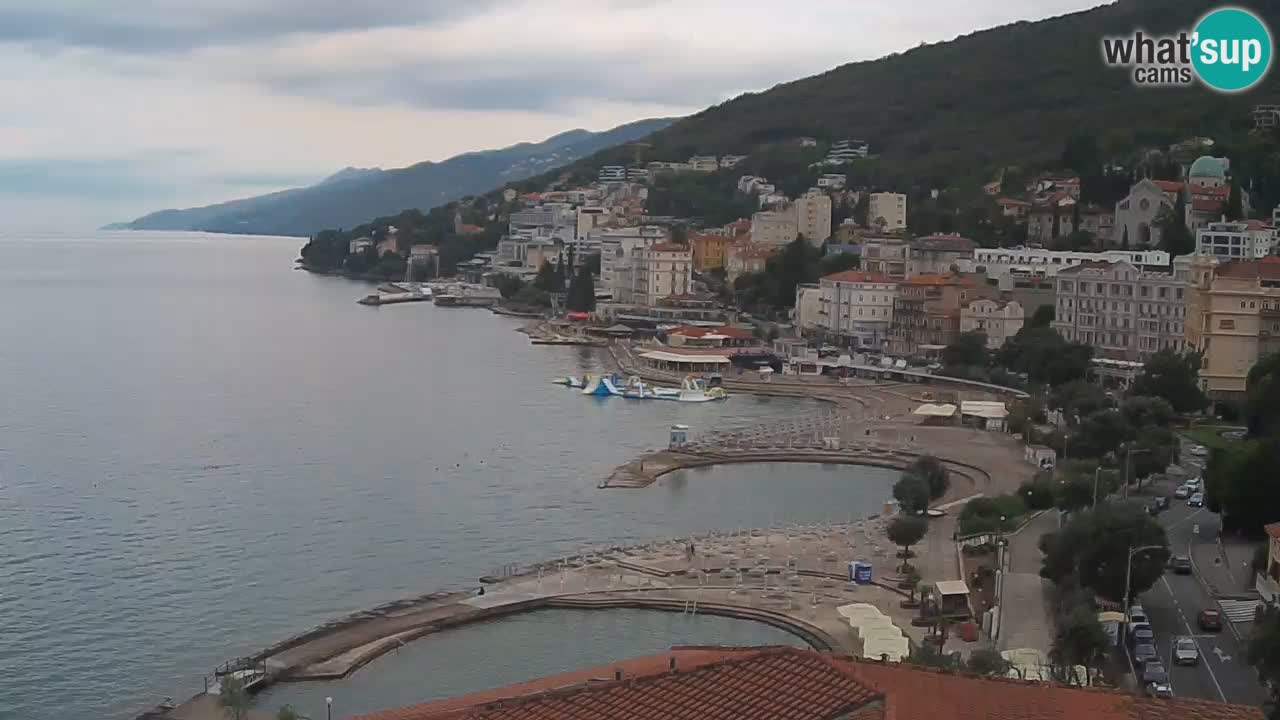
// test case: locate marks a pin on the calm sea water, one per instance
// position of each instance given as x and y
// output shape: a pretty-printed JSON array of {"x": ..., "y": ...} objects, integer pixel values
[{"x": 203, "y": 451}]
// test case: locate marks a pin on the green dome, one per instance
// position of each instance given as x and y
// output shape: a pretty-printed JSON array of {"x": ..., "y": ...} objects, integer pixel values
[{"x": 1208, "y": 167}]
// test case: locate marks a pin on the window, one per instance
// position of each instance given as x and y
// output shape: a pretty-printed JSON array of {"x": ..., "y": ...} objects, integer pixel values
[
  {"x": 1226, "y": 324},
  {"x": 1163, "y": 293}
]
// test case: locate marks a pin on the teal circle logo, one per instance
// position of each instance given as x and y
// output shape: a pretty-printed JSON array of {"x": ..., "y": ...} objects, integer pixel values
[{"x": 1231, "y": 49}]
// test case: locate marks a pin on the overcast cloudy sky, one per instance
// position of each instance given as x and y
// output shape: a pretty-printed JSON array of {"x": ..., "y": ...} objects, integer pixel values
[{"x": 109, "y": 109}]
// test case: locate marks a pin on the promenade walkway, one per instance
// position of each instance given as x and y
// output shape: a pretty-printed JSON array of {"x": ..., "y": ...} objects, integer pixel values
[{"x": 1026, "y": 605}]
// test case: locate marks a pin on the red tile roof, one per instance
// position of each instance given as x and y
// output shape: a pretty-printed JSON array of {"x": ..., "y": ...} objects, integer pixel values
[
  {"x": 1013, "y": 202},
  {"x": 1267, "y": 268},
  {"x": 1169, "y": 185},
  {"x": 782, "y": 683},
  {"x": 726, "y": 684},
  {"x": 858, "y": 276}
]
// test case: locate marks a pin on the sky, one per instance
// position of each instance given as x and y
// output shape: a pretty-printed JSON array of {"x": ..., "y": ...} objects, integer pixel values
[{"x": 113, "y": 108}]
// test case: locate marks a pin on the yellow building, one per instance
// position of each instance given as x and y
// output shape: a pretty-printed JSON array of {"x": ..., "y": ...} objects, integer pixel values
[
  {"x": 1233, "y": 318},
  {"x": 709, "y": 251}
]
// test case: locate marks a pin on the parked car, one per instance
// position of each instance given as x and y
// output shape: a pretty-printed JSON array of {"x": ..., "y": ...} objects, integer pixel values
[
  {"x": 1193, "y": 483},
  {"x": 1180, "y": 564},
  {"x": 1140, "y": 634},
  {"x": 1209, "y": 620},
  {"x": 1137, "y": 615},
  {"x": 1182, "y": 493},
  {"x": 1196, "y": 500},
  {"x": 1199, "y": 450},
  {"x": 1143, "y": 654},
  {"x": 1185, "y": 652},
  {"x": 1160, "y": 690},
  {"x": 1153, "y": 673}
]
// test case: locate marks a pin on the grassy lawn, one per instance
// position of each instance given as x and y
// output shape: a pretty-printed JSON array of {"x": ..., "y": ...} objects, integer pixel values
[{"x": 1209, "y": 437}]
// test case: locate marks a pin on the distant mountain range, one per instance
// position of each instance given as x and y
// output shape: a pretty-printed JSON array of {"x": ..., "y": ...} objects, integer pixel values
[{"x": 354, "y": 195}]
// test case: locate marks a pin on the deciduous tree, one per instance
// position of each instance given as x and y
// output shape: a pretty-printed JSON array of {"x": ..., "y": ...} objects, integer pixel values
[
  {"x": 1094, "y": 548},
  {"x": 905, "y": 531}
]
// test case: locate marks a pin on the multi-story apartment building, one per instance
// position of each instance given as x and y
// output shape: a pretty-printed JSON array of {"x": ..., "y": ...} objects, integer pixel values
[
  {"x": 813, "y": 216},
  {"x": 661, "y": 271},
  {"x": 709, "y": 250},
  {"x": 1122, "y": 311},
  {"x": 774, "y": 228},
  {"x": 886, "y": 255},
  {"x": 745, "y": 256},
  {"x": 618, "y": 248},
  {"x": 887, "y": 212},
  {"x": 845, "y": 151},
  {"x": 856, "y": 308},
  {"x": 1233, "y": 319},
  {"x": 926, "y": 312},
  {"x": 1236, "y": 240},
  {"x": 612, "y": 173},
  {"x": 1036, "y": 263},
  {"x": 938, "y": 253},
  {"x": 999, "y": 320},
  {"x": 807, "y": 315},
  {"x": 704, "y": 163}
]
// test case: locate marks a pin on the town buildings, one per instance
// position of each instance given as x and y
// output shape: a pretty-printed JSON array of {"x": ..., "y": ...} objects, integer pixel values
[
  {"x": 1236, "y": 240},
  {"x": 1122, "y": 311},
  {"x": 775, "y": 228},
  {"x": 813, "y": 216},
  {"x": 709, "y": 251},
  {"x": 1233, "y": 319},
  {"x": 1136, "y": 214},
  {"x": 618, "y": 256},
  {"x": 807, "y": 315},
  {"x": 939, "y": 253},
  {"x": 845, "y": 151},
  {"x": 926, "y": 312},
  {"x": 886, "y": 255},
  {"x": 999, "y": 320},
  {"x": 661, "y": 271},
  {"x": 887, "y": 212},
  {"x": 1018, "y": 263},
  {"x": 855, "y": 308},
  {"x": 745, "y": 256}
]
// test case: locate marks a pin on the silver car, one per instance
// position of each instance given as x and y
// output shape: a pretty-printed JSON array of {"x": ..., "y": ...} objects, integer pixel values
[{"x": 1185, "y": 652}]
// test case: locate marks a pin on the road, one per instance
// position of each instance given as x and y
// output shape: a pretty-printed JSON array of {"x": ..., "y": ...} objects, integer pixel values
[{"x": 1173, "y": 603}]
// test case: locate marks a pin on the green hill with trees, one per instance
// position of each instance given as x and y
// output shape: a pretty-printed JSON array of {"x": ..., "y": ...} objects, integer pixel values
[{"x": 941, "y": 114}]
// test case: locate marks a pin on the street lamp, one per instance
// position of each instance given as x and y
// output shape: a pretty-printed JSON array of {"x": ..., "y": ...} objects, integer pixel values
[
  {"x": 328, "y": 706},
  {"x": 1128, "y": 571}
]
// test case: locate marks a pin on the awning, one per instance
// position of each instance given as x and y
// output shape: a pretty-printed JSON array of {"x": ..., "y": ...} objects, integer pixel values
[
  {"x": 661, "y": 356},
  {"x": 933, "y": 410},
  {"x": 951, "y": 587},
  {"x": 984, "y": 409}
]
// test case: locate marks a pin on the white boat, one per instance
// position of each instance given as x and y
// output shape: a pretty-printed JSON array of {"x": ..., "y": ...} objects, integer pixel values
[{"x": 692, "y": 389}]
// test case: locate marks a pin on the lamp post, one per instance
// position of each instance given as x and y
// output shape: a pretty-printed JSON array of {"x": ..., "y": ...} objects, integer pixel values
[
  {"x": 1128, "y": 572},
  {"x": 328, "y": 706},
  {"x": 1096, "y": 473}
]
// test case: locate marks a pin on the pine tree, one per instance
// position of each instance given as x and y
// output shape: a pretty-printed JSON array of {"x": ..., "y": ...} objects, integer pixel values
[
  {"x": 1235, "y": 204},
  {"x": 582, "y": 291}
]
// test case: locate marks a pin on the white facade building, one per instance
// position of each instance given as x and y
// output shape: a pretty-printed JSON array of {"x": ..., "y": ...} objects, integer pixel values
[
  {"x": 612, "y": 173},
  {"x": 773, "y": 227},
  {"x": 1032, "y": 263},
  {"x": 1236, "y": 240},
  {"x": 857, "y": 307},
  {"x": 661, "y": 271},
  {"x": 999, "y": 320},
  {"x": 1122, "y": 311},
  {"x": 704, "y": 163},
  {"x": 833, "y": 181},
  {"x": 618, "y": 250},
  {"x": 846, "y": 151},
  {"x": 813, "y": 216},
  {"x": 887, "y": 212}
]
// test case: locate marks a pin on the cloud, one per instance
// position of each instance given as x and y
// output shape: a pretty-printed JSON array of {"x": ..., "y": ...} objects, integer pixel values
[
  {"x": 137, "y": 27},
  {"x": 206, "y": 100}
]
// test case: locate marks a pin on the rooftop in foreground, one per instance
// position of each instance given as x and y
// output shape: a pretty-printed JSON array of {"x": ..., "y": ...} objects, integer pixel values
[{"x": 781, "y": 683}]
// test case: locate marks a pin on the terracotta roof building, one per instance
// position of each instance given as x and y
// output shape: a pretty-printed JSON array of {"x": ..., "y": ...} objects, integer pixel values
[
  {"x": 926, "y": 312},
  {"x": 778, "y": 683}
]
